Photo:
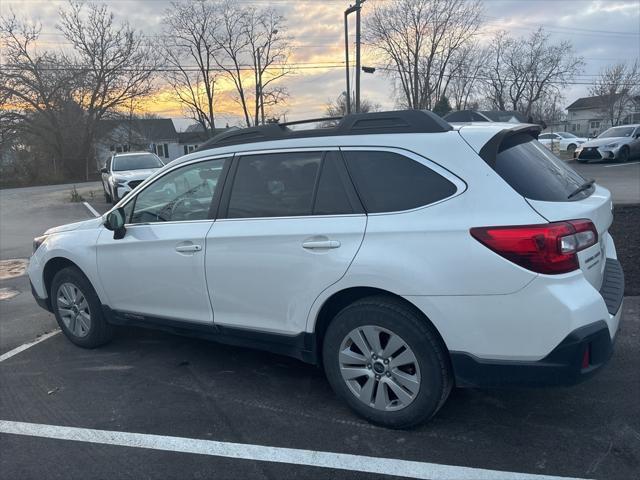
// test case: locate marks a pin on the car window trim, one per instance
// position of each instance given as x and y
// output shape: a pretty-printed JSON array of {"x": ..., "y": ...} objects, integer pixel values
[
  {"x": 133, "y": 198},
  {"x": 460, "y": 184},
  {"x": 358, "y": 209}
]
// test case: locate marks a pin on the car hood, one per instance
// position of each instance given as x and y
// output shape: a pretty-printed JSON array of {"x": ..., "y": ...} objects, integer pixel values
[
  {"x": 134, "y": 174},
  {"x": 84, "y": 225},
  {"x": 600, "y": 142}
]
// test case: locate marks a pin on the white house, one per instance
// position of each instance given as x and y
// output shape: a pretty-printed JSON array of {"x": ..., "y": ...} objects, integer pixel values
[{"x": 586, "y": 116}]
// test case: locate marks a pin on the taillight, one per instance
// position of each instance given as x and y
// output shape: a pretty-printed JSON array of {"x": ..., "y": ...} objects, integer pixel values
[{"x": 550, "y": 248}]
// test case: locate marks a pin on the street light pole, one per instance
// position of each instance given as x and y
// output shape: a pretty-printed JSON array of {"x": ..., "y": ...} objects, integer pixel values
[
  {"x": 358, "y": 8},
  {"x": 346, "y": 56}
]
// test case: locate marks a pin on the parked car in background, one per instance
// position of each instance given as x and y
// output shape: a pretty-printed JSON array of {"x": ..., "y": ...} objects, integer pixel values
[
  {"x": 125, "y": 171},
  {"x": 565, "y": 141},
  {"x": 617, "y": 143},
  {"x": 402, "y": 254}
]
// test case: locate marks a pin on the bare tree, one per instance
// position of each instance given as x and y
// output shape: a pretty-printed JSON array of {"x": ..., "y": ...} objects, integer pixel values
[
  {"x": 190, "y": 51},
  {"x": 419, "y": 39},
  {"x": 115, "y": 65},
  {"x": 253, "y": 40},
  {"x": 522, "y": 72},
  {"x": 35, "y": 88},
  {"x": 618, "y": 86},
  {"x": 338, "y": 108},
  {"x": 466, "y": 73}
]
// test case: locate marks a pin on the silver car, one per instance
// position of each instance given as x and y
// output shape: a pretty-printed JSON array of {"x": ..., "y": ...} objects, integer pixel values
[
  {"x": 617, "y": 143},
  {"x": 125, "y": 171}
]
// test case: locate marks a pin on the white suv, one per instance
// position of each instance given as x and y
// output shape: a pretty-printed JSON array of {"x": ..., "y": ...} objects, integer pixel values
[
  {"x": 401, "y": 254},
  {"x": 125, "y": 171}
]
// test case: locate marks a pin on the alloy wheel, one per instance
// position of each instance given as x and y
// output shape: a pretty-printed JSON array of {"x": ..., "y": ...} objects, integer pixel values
[
  {"x": 73, "y": 309},
  {"x": 379, "y": 368}
]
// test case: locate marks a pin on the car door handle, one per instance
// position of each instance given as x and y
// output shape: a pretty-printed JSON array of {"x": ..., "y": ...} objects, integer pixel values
[
  {"x": 188, "y": 248},
  {"x": 313, "y": 244}
]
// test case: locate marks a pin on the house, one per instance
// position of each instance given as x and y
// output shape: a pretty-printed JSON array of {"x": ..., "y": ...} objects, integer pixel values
[
  {"x": 156, "y": 135},
  {"x": 586, "y": 117}
]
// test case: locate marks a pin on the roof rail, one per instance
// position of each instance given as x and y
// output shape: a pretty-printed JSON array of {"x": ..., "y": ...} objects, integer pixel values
[{"x": 400, "y": 121}]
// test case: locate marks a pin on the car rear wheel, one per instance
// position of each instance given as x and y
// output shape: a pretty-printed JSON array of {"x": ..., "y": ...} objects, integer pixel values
[
  {"x": 571, "y": 148},
  {"x": 78, "y": 309},
  {"x": 387, "y": 362}
]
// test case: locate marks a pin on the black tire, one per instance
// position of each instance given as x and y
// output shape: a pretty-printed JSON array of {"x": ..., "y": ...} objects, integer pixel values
[
  {"x": 571, "y": 148},
  {"x": 623, "y": 156},
  {"x": 107, "y": 197},
  {"x": 99, "y": 331},
  {"x": 436, "y": 379},
  {"x": 114, "y": 198}
]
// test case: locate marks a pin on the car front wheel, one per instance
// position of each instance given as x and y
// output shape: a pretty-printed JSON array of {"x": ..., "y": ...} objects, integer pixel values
[
  {"x": 387, "y": 362},
  {"x": 78, "y": 309}
]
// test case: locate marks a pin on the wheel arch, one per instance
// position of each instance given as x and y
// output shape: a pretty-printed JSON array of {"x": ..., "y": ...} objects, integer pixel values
[
  {"x": 340, "y": 299},
  {"x": 53, "y": 266}
]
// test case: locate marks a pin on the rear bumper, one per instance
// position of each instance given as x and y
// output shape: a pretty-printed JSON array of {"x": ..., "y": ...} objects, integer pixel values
[
  {"x": 575, "y": 359},
  {"x": 582, "y": 352}
]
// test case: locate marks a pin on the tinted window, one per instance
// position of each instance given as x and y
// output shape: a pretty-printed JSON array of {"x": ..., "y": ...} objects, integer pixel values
[
  {"x": 331, "y": 198},
  {"x": 536, "y": 173},
  {"x": 184, "y": 194},
  {"x": 136, "y": 162},
  {"x": 389, "y": 182},
  {"x": 274, "y": 185}
]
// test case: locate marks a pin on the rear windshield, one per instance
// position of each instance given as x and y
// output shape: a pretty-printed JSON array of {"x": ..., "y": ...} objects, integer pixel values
[
  {"x": 136, "y": 162},
  {"x": 536, "y": 173}
]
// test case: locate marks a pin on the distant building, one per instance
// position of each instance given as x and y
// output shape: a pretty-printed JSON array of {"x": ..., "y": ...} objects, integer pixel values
[
  {"x": 156, "y": 135},
  {"x": 586, "y": 116}
]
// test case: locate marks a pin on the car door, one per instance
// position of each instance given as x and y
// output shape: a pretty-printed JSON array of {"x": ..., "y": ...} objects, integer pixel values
[
  {"x": 289, "y": 226},
  {"x": 157, "y": 269}
]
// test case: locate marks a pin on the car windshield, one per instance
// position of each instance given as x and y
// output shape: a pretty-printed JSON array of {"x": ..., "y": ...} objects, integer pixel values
[
  {"x": 617, "y": 132},
  {"x": 566, "y": 135},
  {"x": 136, "y": 162}
]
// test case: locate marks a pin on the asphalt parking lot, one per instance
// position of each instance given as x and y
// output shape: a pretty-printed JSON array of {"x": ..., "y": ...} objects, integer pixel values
[{"x": 243, "y": 410}]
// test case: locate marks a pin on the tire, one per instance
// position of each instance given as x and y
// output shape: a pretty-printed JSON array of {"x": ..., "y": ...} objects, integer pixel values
[
  {"x": 107, "y": 197},
  {"x": 623, "y": 156},
  {"x": 70, "y": 286},
  {"x": 427, "y": 374},
  {"x": 571, "y": 148},
  {"x": 114, "y": 198}
]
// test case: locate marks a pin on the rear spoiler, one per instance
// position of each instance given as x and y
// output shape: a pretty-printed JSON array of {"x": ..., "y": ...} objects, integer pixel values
[{"x": 490, "y": 150}]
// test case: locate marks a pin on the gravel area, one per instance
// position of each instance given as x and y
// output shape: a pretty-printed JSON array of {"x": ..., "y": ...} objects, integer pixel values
[{"x": 626, "y": 234}]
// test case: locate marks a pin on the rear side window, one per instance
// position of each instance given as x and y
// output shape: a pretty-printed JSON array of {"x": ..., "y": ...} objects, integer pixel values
[
  {"x": 274, "y": 185},
  {"x": 535, "y": 172},
  {"x": 331, "y": 198},
  {"x": 390, "y": 182}
]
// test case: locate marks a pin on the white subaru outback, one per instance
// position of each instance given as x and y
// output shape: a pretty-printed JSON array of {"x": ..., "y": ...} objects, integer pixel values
[{"x": 403, "y": 255}]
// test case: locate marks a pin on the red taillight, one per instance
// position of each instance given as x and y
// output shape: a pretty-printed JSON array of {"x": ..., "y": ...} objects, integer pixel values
[{"x": 550, "y": 248}]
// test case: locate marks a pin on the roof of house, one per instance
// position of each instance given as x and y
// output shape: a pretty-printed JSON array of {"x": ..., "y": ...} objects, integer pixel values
[
  {"x": 591, "y": 102},
  {"x": 197, "y": 137},
  {"x": 150, "y": 128}
]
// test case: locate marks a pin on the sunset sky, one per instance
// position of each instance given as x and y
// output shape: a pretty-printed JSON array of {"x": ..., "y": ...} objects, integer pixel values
[{"x": 603, "y": 32}]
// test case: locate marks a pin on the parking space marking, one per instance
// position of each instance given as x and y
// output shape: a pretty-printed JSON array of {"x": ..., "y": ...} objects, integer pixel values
[
  {"x": 91, "y": 209},
  {"x": 22, "y": 348},
  {"x": 312, "y": 458},
  {"x": 621, "y": 164}
]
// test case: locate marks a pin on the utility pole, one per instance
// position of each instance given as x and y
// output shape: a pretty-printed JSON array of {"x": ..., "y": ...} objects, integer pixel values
[
  {"x": 349, "y": 10},
  {"x": 358, "y": 8}
]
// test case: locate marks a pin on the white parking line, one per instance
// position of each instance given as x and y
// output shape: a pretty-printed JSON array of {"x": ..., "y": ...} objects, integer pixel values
[
  {"x": 621, "y": 165},
  {"x": 313, "y": 458},
  {"x": 22, "y": 348},
  {"x": 91, "y": 209}
]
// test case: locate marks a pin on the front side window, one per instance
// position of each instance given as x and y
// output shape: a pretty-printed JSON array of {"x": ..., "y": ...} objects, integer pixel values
[
  {"x": 183, "y": 194},
  {"x": 274, "y": 185},
  {"x": 390, "y": 182}
]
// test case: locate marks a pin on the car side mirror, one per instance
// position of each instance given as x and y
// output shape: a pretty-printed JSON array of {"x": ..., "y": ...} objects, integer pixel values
[{"x": 115, "y": 222}]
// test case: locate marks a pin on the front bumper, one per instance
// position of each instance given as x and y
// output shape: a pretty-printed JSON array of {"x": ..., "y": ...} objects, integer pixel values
[
  {"x": 582, "y": 352},
  {"x": 587, "y": 154}
]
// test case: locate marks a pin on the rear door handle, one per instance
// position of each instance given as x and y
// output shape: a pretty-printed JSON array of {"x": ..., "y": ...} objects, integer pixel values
[
  {"x": 313, "y": 244},
  {"x": 188, "y": 248}
]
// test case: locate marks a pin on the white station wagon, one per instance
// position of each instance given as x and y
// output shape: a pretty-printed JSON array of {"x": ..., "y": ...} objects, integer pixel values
[{"x": 402, "y": 255}]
